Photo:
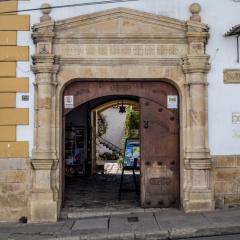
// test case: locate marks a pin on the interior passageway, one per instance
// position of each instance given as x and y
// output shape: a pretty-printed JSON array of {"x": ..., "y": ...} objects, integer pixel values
[{"x": 95, "y": 133}]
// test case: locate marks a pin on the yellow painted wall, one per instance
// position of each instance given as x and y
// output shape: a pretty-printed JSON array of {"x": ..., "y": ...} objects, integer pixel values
[
  {"x": 10, "y": 85},
  {"x": 13, "y": 53},
  {"x": 8, "y": 6},
  {"x": 8, "y": 38},
  {"x": 8, "y": 133},
  {"x": 14, "y": 84},
  {"x": 7, "y": 100},
  {"x": 14, "y": 149},
  {"x": 14, "y": 116},
  {"x": 8, "y": 69},
  {"x": 14, "y": 22}
]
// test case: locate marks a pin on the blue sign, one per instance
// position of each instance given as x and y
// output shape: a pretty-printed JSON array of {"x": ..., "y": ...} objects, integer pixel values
[{"x": 132, "y": 151}]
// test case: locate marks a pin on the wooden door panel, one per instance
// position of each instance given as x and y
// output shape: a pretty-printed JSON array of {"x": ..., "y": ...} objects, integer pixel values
[{"x": 159, "y": 154}]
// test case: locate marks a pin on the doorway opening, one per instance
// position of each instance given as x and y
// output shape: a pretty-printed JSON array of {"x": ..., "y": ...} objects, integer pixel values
[
  {"x": 95, "y": 139},
  {"x": 156, "y": 183}
]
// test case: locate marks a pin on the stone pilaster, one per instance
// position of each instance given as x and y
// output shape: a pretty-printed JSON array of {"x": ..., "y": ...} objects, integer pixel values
[
  {"x": 43, "y": 202},
  {"x": 198, "y": 192}
]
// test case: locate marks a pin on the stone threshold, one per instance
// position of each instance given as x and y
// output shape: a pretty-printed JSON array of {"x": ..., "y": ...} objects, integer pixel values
[{"x": 79, "y": 213}]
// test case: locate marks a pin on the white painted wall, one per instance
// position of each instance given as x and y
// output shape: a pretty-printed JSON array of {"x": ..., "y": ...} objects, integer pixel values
[
  {"x": 115, "y": 130},
  {"x": 220, "y": 15}
]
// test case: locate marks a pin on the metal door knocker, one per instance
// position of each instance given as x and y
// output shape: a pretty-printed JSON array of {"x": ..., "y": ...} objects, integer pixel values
[{"x": 145, "y": 124}]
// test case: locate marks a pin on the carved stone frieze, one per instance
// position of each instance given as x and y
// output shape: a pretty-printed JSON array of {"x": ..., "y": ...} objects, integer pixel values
[{"x": 126, "y": 51}]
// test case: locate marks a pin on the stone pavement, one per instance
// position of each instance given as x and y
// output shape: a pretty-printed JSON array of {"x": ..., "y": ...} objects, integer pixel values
[
  {"x": 152, "y": 225},
  {"x": 99, "y": 193}
]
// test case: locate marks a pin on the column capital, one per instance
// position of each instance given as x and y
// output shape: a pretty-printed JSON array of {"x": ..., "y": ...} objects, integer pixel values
[
  {"x": 198, "y": 164},
  {"x": 43, "y": 32},
  {"x": 45, "y": 63},
  {"x": 197, "y": 37},
  {"x": 42, "y": 164},
  {"x": 196, "y": 64},
  {"x": 199, "y": 158},
  {"x": 45, "y": 58}
]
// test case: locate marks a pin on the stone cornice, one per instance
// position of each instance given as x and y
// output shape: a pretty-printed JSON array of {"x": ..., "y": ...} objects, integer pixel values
[
  {"x": 194, "y": 26},
  {"x": 43, "y": 26},
  {"x": 196, "y": 64},
  {"x": 114, "y": 62},
  {"x": 43, "y": 37},
  {"x": 45, "y": 68},
  {"x": 43, "y": 32},
  {"x": 45, "y": 58},
  {"x": 198, "y": 164},
  {"x": 118, "y": 13},
  {"x": 45, "y": 63},
  {"x": 42, "y": 164},
  {"x": 198, "y": 159},
  {"x": 198, "y": 37}
]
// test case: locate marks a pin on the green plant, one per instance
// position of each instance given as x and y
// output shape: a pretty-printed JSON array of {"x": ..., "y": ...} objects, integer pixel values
[
  {"x": 102, "y": 125},
  {"x": 132, "y": 123},
  {"x": 120, "y": 162}
]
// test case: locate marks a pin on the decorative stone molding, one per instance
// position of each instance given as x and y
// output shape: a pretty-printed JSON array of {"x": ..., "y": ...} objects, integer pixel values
[
  {"x": 124, "y": 44},
  {"x": 42, "y": 164},
  {"x": 196, "y": 64},
  {"x": 198, "y": 195},
  {"x": 231, "y": 75},
  {"x": 195, "y": 9},
  {"x": 44, "y": 32},
  {"x": 46, "y": 9}
]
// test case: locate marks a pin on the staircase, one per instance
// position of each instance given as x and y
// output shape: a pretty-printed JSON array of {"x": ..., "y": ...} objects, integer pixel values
[{"x": 109, "y": 145}]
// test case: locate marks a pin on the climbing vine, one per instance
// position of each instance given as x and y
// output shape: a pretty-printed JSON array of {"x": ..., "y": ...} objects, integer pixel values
[
  {"x": 102, "y": 125},
  {"x": 132, "y": 122}
]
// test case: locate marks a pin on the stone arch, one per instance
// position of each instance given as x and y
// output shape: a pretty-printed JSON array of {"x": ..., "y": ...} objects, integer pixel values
[
  {"x": 121, "y": 45},
  {"x": 153, "y": 93}
]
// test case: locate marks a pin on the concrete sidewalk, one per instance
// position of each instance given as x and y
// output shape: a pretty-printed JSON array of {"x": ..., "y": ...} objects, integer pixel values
[{"x": 159, "y": 224}]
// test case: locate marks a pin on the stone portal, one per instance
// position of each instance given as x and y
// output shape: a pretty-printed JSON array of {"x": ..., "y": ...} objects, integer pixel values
[{"x": 120, "y": 44}]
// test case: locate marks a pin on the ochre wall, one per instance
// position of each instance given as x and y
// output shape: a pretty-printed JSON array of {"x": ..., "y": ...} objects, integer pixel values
[
  {"x": 14, "y": 154},
  {"x": 226, "y": 174}
]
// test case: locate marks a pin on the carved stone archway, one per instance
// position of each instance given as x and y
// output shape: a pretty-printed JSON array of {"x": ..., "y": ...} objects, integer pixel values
[{"x": 120, "y": 44}]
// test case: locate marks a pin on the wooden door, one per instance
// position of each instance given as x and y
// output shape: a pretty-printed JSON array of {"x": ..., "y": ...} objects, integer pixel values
[{"x": 159, "y": 154}]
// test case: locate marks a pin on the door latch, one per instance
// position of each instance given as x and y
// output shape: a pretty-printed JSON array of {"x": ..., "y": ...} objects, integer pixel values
[{"x": 145, "y": 123}]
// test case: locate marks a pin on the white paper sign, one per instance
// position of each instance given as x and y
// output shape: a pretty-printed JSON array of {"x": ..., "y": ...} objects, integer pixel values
[
  {"x": 236, "y": 118},
  {"x": 172, "y": 101},
  {"x": 68, "y": 102}
]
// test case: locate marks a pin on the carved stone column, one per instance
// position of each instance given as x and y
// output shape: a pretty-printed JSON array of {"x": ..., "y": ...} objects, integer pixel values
[
  {"x": 43, "y": 203},
  {"x": 198, "y": 192}
]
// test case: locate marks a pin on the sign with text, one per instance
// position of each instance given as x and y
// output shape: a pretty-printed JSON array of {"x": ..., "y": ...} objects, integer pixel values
[
  {"x": 68, "y": 102},
  {"x": 132, "y": 151},
  {"x": 236, "y": 118},
  {"x": 231, "y": 76},
  {"x": 172, "y": 101}
]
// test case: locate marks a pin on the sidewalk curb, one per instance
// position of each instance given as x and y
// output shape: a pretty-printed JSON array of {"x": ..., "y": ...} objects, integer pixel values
[
  {"x": 159, "y": 235},
  {"x": 204, "y": 232}
]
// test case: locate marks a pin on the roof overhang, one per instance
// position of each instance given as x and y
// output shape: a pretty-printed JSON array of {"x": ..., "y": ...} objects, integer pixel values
[{"x": 234, "y": 31}]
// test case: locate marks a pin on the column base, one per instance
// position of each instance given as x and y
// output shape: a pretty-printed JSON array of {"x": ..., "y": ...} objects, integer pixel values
[
  {"x": 199, "y": 200},
  {"x": 41, "y": 210}
]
